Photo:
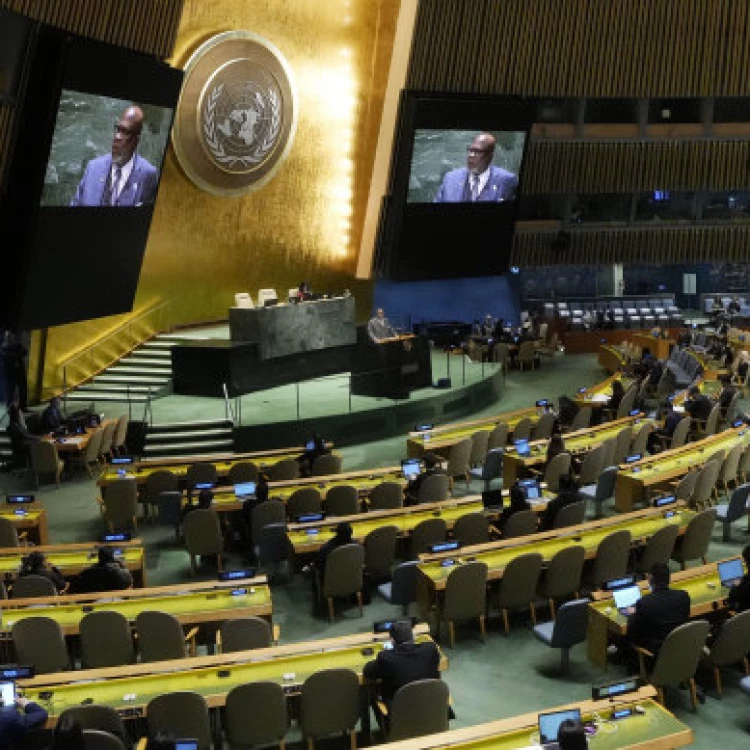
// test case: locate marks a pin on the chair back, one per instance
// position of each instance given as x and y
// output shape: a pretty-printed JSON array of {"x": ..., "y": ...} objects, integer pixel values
[
  {"x": 640, "y": 441},
  {"x": 256, "y": 714},
  {"x": 744, "y": 467},
  {"x": 419, "y": 708},
  {"x": 626, "y": 404},
  {"x": 492, "y": 468},
  {"x": 32, "y": 587},
  {"x": 344, "y": 568},
  {"x": 466, "y": 591},
  {"x": 458, "y": 458},
  {"x": 108, "y": 436},
  {"x": 609, "y": 452},
  {"x": 434, "y": 489},
  {"x": 659, "y": 548},
  {"x": 8, "y": 533},
  {"x": 302, "y": 501},
  {"x": 544, "y": 426},
  {"x": 522, "y": 430},
  {"x": 582, "y": 419},
  {"x": 694, "y": 544},
  {"x": 39, "y": 641},
  {"x": 731, "y": 410},
  {"x": 472, "y": 528},
  {"x": 522, "y": 523},
  {"x": 605, "y": 486},
  {"x": 242, "y": 471},
  {"x": 44, "y": 457},
  {"x": 380, "y": 551},
  {"x": 680, "y": 434},
  {"x": 121, "y": 503},
  {"x": 158, "y": 482},
  {"x": 425, "y": 533},
  {"x": 731, "y": 465},
  {"x": 520, "y": 580},
  {"x": 101, "y": 718},
  {"x": 265, "y": 513},
  {"x": 611, "y": 557},
  {"x": 737, "y": 507},
  {"x": 570, "y": 515},
  {"x": 622, "y": 444},
  {"x": 592, "y": 466},
  {"x": 479, "y": 442},
  {"x": 498, "y": 437},
  {"x": 169, "y": 508},
  {"x": 686, "y": 486},
  {"x": 404, "y": 583},
  {"x": 330, "y": 702},
  {"x": 202, "y": 532},
  {"x": 571, "y": 624},
  {"x": 563, "y": 574},
  {"x": 558, "y": 466},
  {"x": 96, "y": 739},
  {"x": 201, "y": 473},
  {"x": 386, "y": 496},
  {"x": 274, "y": 545},
  {"x": 731, "y": 645},
  {"x": 93, "y": 447},
  {"x": 244, "y": 634},
  {"x": 160, "y": 636},
  {"x": 105, "y": 640},
  {"x": 121, "y": 432},
  {"x": 712, "y": 423},
  {"x": 180, "y": 714},
  {"x": 526, "y": 353},
  {"x": 679, "y": 655},
  {"x": 326, "y": 464},
  {"x": 284, "y": 470},
  {"x": 342, "y": 500}
]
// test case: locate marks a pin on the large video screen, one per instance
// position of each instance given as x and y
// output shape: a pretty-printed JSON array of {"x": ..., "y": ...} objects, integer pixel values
[{"x": 456, "y": 175}]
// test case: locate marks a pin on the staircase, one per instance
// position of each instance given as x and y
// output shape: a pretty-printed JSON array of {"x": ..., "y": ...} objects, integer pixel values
[
  {"x": 189, "y": 438},
  {"x": 5, "y": 451},
  {"x": 147, "y": 367}
]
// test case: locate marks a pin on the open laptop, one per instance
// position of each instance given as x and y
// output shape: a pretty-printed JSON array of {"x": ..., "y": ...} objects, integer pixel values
[
  {"x": 522, "y": 448},
  {"x": 531, "y": 490},
  {"x": 186, "y": 744},
  {"x": 549, "y": 724},
  {"x": 411, "y": 468},
  {"x": 625, "y": 598},
  {"x": 7, "y": 692},
  {"x": 730, "y": 572},
  {"x": 245, "y": 490}
]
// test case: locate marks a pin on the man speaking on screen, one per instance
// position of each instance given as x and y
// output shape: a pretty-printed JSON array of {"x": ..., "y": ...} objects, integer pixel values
[
  {"x": 479, "y": 181},
  {"x": 123, "y": 177}
]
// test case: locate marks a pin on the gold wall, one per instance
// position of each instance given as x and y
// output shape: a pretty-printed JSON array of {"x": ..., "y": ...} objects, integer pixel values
[{"x": 305, "y": 223}]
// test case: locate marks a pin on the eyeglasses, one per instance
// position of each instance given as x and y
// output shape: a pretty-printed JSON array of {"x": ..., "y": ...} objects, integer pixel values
[
  {"x": 477, "y": 151},
  {"x": 124, "y": 132}
]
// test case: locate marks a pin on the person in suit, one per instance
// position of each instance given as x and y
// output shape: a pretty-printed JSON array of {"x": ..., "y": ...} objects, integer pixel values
[
  {"x": 479, "y": 181},
  {"x": 14, "y": 724},
  {"x": 380, "y": 327},
  {"x": 671, "y": 420},
  {"x": 698, "y": 406},
  {"x": 52, "y": 416},
  {"x": 107, "y": 574},
  {"x": 657, "y": 614},
  {"x": 567, "y": 494},
  {"x": 518, "y": 502},
  {"x": 36, "y": 564},
  {"x": 431, "y": 467},
  {"x": 727, "y": 394},
  {"x": 122, "y": 177},
  {"x": 408, "y": 661},
  {"x": 571, "y": 736},
  {"x": 739, "y": 594}
]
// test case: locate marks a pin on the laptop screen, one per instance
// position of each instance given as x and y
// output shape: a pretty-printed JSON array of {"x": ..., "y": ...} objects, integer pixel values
[
  {"x": 549, "y": 724},
  {"x": 245, "y": 489},
  {"x": 186, "y": 744},
  {"x": 532, "y": 491},
  {"x": 522, "y": 447},
  {"x": 626, "y": 597},
  {"x": 7, "y": 693},
  {"x": 633, "y": 458},
  {"x": 730, "y": 571},
  {"x": 411, "y": 468},
  {"x": 310, "y": 445}
]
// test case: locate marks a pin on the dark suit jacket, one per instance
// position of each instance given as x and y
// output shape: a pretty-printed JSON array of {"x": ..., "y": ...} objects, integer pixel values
[
  {"x": 501, "y": 186},
  {"x": 507, "y": 513},
  {"x": 739, "y": 595},
  {"x": 405, "y": 663},
  {"x": 554, "y": 507},
  {"x": 699, "y": 407},
  {"x": 102, "y": 578},
  {"x": 51, "y": 419},
  {"x": 139, "y": 189},
  {"x": 14, "y": 725},
  {"x": 656, "y": 616},
  {"x": 412, "y": 489}
]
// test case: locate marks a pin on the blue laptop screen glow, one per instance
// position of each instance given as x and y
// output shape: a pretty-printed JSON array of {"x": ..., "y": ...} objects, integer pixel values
[
  {"x": 245, "y": 489},
  {"x": 730, "y": 571},
  {"x": 522, "y": 447},
  {"x": 549, "y": 724}
]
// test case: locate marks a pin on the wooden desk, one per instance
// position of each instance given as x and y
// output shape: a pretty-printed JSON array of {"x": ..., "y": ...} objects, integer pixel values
[
  {"x": 201, "y": 675},
  {"x": 71, "y": 559},
  {"x": 598, "y": 395},
  {"x": 31, "y": 518},
  {"x": 611, "y": 358},
  {"x": 710, "y": 388},
  {"x": 655, "y": 729},
  {"x": 706, "y": 595},
  {"x": 635, "y": 481},
  {"x": 659, "y": 347},
  {"x": 73, "y": 444}
]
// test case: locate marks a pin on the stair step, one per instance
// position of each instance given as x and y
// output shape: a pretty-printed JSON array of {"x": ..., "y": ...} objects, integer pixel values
[
  {"x": 158, "y": 364},
  {"x": 121, "y": 369},
  {"x": 116, "y": 388},
  {"x": 190, "y": 435},
  {"x": 198, "y": 424},
  {"x": 89, "y": 396},
  {"x": 159, "y": 354},
  {"x": 186, "y": 448},
  {"x": 134, "y": 380},
  {"x": 163, "y": 344}
]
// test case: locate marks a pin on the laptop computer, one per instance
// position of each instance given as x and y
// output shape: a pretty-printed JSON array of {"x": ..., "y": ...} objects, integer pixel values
[
  {"x": 245, "y": 490},
  {"x": 186, "y": 744},
  {"x": 730, "y": 572},
  {"x": 7, "y": 692},
  {"x": 522, "y": 448},
  {"x": 531, "y": 490},
  {"x": 411, "y": 468},
  {"x": 625, "y": 598},
  {"x": 549, "y": 724}
]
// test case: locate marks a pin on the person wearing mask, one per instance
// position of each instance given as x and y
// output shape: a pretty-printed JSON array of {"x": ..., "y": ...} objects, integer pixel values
[
  {"x": 68, "y": 734},
  {"x": 107, "y": 574},
  {"x": 36, "y": 564},
  {"x": 567, "y": 494},
  {"x": 555, "y": 447},
  {"x": 739, "y": 595},
  {"x": 657, "y": 614},
  {"x": 698, "y": 406},
  {"x": 518, "y": 502},
  {"x": 571, "y": 736},
  {"x": 431, "y": 467},
  {"x": 17, "y": 720}
]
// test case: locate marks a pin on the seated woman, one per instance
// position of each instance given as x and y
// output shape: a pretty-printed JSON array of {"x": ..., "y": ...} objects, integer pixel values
[{"x": 36, "y": 564}]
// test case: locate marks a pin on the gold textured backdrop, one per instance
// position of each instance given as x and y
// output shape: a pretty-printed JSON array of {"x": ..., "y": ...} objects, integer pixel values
[{"x": 303, "y": 224}]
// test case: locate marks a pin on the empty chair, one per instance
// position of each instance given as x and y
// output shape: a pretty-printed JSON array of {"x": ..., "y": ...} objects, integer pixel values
[
  {"x": 244, "y": 634},
  {"x": 492, "y": 468},
  {"x": 677, "y": 659},
  {"x": 582, "y": 419},
  {"x": 709, "y": 427},
  {"x": 203, "y": 536},
  {"x": 386, "y": 496},
  {"x": 521, "y": 524},
  {"x": 156, "y": 483},
  {"x": 284, "y": 470},
  {"x": 680, "y": 434},
  {"x": 640, "y": 440},
  {"x": 458, "y": 460},
  {"x": 180, "y": 714},
  {"x": 169, "y": 510},
  {"x": 567, "y": 629},
  {"x": 705, "y": 484},
  {"x": 658, "y": 549},
  {"x": 302, "y": 501},
  {"x": 32, "y": 586},
  {"x": 343, "y": 575},
  {"x": 326, "y": 464},
  {"x": 96, "y": 739},
  {"x": 498, "y": 437},
  {"x": 39, "y": 641},
  {"x": 544, "y": 426},
  {"x": 518, "y": 586},
  {"x": 603, "y": 490},
  {"x": 256, "y": 714},
  {"x": 527, "y": 355},
  {"x": 242, "y": 471},
  {"x": 8, "y": 533},
  {"x": 570, "y": 515},
  {"x": 426, "y": 533},
  {"x": 592, "y": 467},
  {"x": 402, "y": 588},
  {"x": 45, "y": 461},
  {"x": 101, "y": 718},
  {"x": 736, "y": 508},
  {"x": 274, "y": 548},
  {"x": 743, "y": 470},
  {"x": 160, "y": 636},
  {"x": 201, "y": 473},
  {"x": 465, "y": 597},
  {"x": 419, "y": 708},
  {"x": 686, "y": 486},
  {"x": 329, "y": 705},
  {"x": 479, "y": 442},
  {"x": 265, "y": 513},
  {"x": 730, "y": 468},
  {"x": 380, "y": 551},
  {"x": 434, "y": 489},
  {"x": 120, "y": 504},
  {"x": 472, "y": 528},
  {"x": 121, "y": 434},
  {"x": 730, "y": 647},
  {"x": 694, "y": 544},
  {"x": 622, "y": 444},
  {"x": 90, "y": 456},
  {"x": 522, "y": 430},
  {"x": 108, "y": 435},
  {"x": 562, "y": 578},
  {"x": 558, "y": 466},
  {"x": 608, "y": 458},
  {"x": 342, "y": 500},
  {"x": 105, "y": 640},
  {"x": 611, "y": 558},
  {"x": 626, "y": 405}
]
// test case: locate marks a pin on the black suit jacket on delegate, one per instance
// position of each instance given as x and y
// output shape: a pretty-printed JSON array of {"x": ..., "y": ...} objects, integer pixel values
[
  {"x": 739, "y": 595},
  {"x": 699, "y": 408},
  {"x": 405, "y": 663},
  {"x": 656, "y": 616}
]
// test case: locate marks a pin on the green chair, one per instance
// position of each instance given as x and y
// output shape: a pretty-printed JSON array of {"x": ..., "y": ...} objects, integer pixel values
[
  {"x": 203, "y": 537},
  {"x": 419, "y": 708},
  {"x": 518, "y": 586},
  {"x": 244, "y": 634},
  {"x": 161, "y": 637},
  {"x": 284, "y": 470},
  {"x": 303, "y": 501},
  {"x": 119, "y": 505},
  {"x": 465, "y": 597},
  {"x": 386, "y": 496},
  {"x": 39, "y": 641},
  {"x": 343, "y": 575},
  {"x": 330, "y": 705},
  {"x": 380, "y": 552},
  {"x": 201, "y": 473},
  {"x": 425, "y": 534},
  {"x": 658, "y": 549},
  {"x": 342, "y": 500},
  {"x": 101, "y": 718},
  {"x": 612, "y": 556},
  {"x": 8, "y": 533},
  {"x": 256, "y": 714},
  {"x": 181, "y": 714},
  {"x": 32, "y": 587},
  {"x": 695, "y": 541},
  {"x": 522, "y": 523},
  {"x": 326, "y": 465},
  {"x": 731, "y": 646},
  {"x": 241, "y": 472},
  {"x": 498, "y": 437},
  {"x": 106, "y": 640},
  {"x": 570, "y": 515},
  {"x": 156, "y": 483},
  {"x": 472, "y": 528},
  {"x": 562, "y": 577}
]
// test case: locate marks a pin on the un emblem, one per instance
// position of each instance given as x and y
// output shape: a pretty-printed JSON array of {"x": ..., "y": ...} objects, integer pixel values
[{"x": 237, "y": 114}]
